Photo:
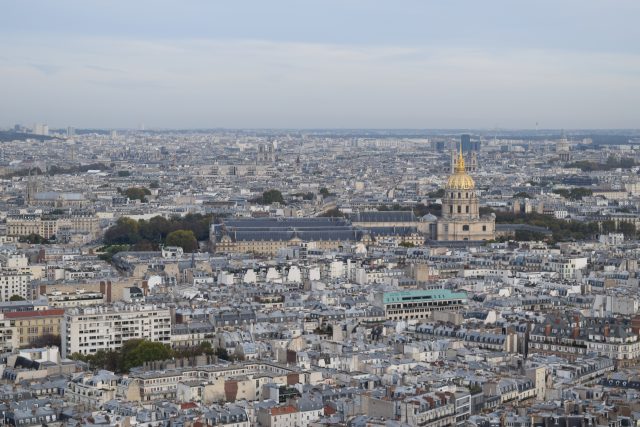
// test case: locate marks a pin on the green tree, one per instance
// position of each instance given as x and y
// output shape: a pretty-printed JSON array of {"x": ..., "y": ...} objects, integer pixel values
[
  {"x": 522, "y": 194},
  {"x": 627, "y": 228},
  {"x": 222, "y": 353},
  {"x": 574, "y": 193},
  {"x": 333, "y": 213},
  {"x": 16, "y": 297},
  {"x": 183, "y": 238},
  {"x": 271, "y": 196},
  {"x": 137, "y": 193},
  {"x": 436, "y": 194},
  {"x": 324, "y": 192},
  {"x": 206, "y": 347},
  {"x": 123, "y": 174},
  {"x": 608, "y": 226},
  {"x": 155, "y": 231},
  {"x": 34, "y": 239},
  {"x": 125, "y": 231},
  {"x": 136, "y": 352}
]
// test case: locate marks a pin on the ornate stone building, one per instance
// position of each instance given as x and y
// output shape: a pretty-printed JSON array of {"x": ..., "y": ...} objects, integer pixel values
[{"x": 461, "y": 218}]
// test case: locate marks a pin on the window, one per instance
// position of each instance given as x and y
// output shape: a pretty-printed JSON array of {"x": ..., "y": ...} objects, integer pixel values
[
  {"x": 465, "y": 227},
  {"x": 467, "y": 209},
  {"x": 484, "y": 228},
  {"x": 459, "y": 209},
  {"x": 450, "y": 208},
  {"x": 459, "y": 195}
]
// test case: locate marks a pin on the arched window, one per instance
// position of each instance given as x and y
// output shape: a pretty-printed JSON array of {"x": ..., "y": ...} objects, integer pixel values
[
  {"x": 465, "y": 228},
  {"x": 452, "y": 195}
]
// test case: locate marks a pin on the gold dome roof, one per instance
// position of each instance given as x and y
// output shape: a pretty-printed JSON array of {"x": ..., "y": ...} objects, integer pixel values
[{"x": 460, "y": 180}]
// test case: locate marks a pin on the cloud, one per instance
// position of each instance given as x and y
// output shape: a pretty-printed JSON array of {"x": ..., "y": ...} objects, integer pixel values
[
  {"x": 258, "y": 83},
  {"x": 46, "y": 69}
]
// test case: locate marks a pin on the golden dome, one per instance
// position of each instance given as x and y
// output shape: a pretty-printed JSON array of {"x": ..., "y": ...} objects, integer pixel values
[{"x": 460, "y": 180}]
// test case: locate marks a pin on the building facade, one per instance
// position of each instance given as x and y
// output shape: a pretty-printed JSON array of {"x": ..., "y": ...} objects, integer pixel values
[
  {"x": 419, "y": 304},
  {"x": 30, "y": 326},
  {"x": 89, "y": 329},
  {"x": 461, "y": 218}
]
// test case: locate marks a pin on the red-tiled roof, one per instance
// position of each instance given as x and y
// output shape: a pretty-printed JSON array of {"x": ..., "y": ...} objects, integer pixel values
[
  {"x": 281, "y": 410},
  {"x": 188, "y": 405},
  {"x": 34, "y": 313},
  {"x": 328, "y": 410}
]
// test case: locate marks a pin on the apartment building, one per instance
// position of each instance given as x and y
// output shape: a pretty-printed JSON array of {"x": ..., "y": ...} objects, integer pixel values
[
  {"x": 32, "y": 325},
  {"x": 49, "y": 226},
  {"x": 86, "y": 330},
  {"x": 14, "y": 282}
]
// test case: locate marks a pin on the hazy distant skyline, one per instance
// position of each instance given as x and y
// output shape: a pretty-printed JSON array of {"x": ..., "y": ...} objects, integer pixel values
[{"x": 321, "y": 64}]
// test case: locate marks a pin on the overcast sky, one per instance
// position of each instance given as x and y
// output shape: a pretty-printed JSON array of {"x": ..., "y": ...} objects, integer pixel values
[{"x": 314, "y": 64}]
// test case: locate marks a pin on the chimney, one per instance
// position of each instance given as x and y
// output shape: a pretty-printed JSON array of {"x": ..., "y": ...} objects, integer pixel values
[{"x": 576, "y": 333}]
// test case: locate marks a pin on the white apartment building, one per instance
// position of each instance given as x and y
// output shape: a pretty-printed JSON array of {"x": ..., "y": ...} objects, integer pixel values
[
  {"x": 568, "y": 267},
  {"x": 86, "y": 330},
  {"x": 13, "y": 282}
]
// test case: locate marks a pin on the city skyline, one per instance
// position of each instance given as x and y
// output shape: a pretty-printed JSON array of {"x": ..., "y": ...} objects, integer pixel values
[{"x": 199, "y": 65}]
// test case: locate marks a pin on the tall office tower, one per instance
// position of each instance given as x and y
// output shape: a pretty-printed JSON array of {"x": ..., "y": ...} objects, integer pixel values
[
  {"x": 465, "y": 142},
  {"x": 70, "y": 132}
]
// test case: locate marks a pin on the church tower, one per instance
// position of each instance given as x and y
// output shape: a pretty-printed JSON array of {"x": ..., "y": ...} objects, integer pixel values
[{"x": 461, "y": 218}]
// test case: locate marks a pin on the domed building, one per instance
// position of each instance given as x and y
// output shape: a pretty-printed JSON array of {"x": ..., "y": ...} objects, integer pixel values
[{"x": 461, "y": 218}]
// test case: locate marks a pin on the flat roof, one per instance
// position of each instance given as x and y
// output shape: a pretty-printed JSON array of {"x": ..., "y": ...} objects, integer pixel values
[{"x": 422, "y": 294}]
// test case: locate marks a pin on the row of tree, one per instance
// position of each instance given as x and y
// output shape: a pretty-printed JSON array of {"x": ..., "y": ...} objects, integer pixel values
[
  {"x": 58, "y": 170},
  {"x": 137, "y": 352},
  {"x": 611, "y": 164},
  {"x": 562, "y": 230},
  {"x": 275, "y": 196},
  {"x": 574, "y": 193}
]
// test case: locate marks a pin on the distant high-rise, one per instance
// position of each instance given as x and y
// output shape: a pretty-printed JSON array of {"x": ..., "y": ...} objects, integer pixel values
[
  {"x": 41, "y": 129},
  {"x": 70, "y": 132},
  {"x": 468, "y": 145}
]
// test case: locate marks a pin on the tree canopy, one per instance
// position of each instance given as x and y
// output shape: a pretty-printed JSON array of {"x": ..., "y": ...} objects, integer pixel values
[
  {"x": 183, "y": 238},
  {"x": 574, "y": 193},
  {"x": 270, "y": 196},
  {"x": 34, "y": 239},
  {"x": 563, "y": 230},
  {"x": 610, "y": 164},
  {"x": 148, "y": 235},
  {"x": 522, "y": 194},
  {"x": 136, "y": 352},
  {"x": 137, "y": 193}
]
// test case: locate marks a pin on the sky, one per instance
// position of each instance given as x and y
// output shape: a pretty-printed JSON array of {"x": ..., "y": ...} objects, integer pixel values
[{"x": 476, "y": 64}]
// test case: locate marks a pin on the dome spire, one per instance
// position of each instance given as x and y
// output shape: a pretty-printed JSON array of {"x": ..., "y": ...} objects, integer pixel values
[
  {"x": 460, "y": 163},
  {"x": 460, "y": 180}
]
